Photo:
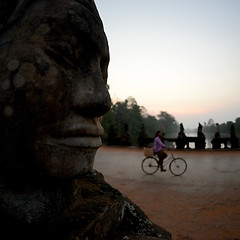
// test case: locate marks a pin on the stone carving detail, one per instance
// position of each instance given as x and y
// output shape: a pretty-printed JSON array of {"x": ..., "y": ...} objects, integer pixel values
[
  {"x": 54, "y": 59},
  {"x": 181, "y": 139},
  {"x": 200, "y": 141},
  {"x": 216, "y": 142},
  {"x": 53, "y": 72}
]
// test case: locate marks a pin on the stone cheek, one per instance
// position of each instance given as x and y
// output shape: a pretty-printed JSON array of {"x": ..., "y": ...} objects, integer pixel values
[{"x": 53, "y": 55}]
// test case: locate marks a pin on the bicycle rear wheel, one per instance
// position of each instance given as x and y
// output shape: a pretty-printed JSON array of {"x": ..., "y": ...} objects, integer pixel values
[
  {"x": 150, "y": 165},
  {"x": 178, "y": 166}
]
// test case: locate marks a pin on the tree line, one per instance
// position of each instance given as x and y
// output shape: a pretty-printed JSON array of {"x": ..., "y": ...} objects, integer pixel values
[
  {"x": 127, "y": 123},
  {"x": 210, "y": 126}
]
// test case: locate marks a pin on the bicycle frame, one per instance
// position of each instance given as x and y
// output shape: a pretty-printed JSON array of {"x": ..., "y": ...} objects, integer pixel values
[{"x": 167, "y": 160}]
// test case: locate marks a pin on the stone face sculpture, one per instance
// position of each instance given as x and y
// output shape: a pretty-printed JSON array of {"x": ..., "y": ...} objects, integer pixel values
[
  {"x": 216, "y": 141},
  {"x": 53, "y": 71},
  {"x": 181, "y": 139},
  {"x": 200, "y": 142},
  {"x": 53, "y": 88}
]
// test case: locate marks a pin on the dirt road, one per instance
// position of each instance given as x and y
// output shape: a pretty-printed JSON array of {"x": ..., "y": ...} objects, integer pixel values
[{"x": 203, "y": 204}]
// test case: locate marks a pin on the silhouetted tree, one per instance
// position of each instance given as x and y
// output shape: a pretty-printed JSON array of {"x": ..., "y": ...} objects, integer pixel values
[
  {"x": 112, "y": 136},
  {"x": 151, "y": 125},
  {"x": 134, "y": 119},
  {"x": 234, "y": 140},
  {"x": 167, "y": 122},
  {"x": 122, "y": 114},
  {"x": 125, "y": 138},
  {"x": 129, "y": 113},
  {"x": 143, "y": 139}
]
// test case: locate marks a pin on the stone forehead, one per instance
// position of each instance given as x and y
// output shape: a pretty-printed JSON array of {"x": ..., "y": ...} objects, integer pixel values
[
  {"x": 89, "y": 4},
  {"x": 12, "y": 8},
  {"x": 80, "y": 15}
]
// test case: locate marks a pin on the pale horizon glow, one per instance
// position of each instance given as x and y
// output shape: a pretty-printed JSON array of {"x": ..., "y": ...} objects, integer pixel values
[{"x": 178, "y": 56}]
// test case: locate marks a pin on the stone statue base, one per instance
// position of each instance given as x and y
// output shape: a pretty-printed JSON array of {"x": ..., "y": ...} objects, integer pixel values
[{"x": 85, "y": 208}]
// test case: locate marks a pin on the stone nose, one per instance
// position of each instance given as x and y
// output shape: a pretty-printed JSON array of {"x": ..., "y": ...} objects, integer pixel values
[{"x": 91, "y": 97}]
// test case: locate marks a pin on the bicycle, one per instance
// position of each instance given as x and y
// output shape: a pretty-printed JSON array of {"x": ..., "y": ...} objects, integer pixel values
[{"x": 150, "y": 164}]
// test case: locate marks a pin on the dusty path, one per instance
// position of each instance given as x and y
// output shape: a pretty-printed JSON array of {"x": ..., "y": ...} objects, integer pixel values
[{"x": 203, "y": 204}]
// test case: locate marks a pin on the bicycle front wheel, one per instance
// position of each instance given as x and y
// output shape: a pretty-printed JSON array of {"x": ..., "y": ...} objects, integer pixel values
[
  {"x": 178, "y": 166},
  {"x": 150, "y": 165}
]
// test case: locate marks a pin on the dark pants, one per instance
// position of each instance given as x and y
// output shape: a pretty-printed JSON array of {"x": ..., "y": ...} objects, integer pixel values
[{"x": 161, "y": 155}]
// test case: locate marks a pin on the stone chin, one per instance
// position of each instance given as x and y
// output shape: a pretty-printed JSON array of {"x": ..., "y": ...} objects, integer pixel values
[{"x": 60, "y": 160}]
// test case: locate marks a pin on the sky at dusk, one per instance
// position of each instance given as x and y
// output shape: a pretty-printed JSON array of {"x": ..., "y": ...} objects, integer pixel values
[{"x": 178, "y": 56}]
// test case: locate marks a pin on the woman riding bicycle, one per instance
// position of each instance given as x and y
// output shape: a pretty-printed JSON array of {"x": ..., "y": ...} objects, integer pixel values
[{"x": 158, "y": 149}]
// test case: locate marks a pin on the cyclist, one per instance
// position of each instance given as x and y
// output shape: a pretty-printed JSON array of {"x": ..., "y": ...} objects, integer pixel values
[{"x": 158, "y": 149}]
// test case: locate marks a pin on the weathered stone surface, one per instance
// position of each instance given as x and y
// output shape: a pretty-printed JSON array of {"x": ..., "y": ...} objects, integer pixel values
[
  {"x": 53, "y": 72},
  {"x": 85, "y": 208},
  {"x": 53, "y": 64}
]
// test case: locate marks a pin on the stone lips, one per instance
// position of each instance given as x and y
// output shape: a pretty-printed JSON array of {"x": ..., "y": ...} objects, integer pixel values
[
  {"x": 53, "y": 64},
  {"x": 53, "y": 87}
]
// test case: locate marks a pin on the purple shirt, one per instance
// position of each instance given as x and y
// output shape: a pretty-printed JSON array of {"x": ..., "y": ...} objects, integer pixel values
[{"x": 158, "y": 145}]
